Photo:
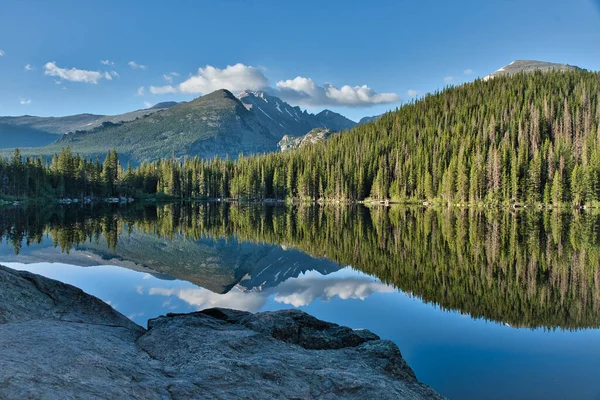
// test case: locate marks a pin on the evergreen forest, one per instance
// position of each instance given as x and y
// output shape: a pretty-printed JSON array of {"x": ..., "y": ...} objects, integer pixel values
[{"x": 512, "y": 140}]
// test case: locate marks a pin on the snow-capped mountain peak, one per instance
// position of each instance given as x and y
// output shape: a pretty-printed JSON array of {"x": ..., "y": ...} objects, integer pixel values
[{"x": 281, "y": 118}]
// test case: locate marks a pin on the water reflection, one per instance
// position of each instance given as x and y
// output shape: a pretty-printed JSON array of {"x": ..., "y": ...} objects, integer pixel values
[
  {"x": 457, "y": 270},
  {"x": 526, "y": 269},
  {"x": 298, "y": 292},
  {"x": 142, "y": 296}
]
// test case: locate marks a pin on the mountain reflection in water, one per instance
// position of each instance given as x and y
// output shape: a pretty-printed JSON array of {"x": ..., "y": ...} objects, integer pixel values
[{"x": 430, "y": 280}]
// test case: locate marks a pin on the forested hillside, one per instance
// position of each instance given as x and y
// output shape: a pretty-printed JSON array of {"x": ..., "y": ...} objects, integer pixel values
[{"x": 525, "y": 138}]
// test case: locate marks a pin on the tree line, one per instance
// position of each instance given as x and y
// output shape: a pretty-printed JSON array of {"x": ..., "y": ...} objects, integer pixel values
[{"x": 522, "y": 139}]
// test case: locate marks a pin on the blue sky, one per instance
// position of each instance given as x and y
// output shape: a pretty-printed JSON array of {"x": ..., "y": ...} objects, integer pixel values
[{"x": 395, "y": 48}]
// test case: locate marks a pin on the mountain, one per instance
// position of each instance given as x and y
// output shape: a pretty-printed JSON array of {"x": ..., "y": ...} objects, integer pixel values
[
  {"x": 366, "y": 120},
  {"x": 283, "y": 119},
  {"x": 32, "y": 131},
  {"x": 214, "y": 124},
  {"x": 316, "y": 135},
  {"x": 217, "y": 124},
  {"x": 334, "y": 121},
  {"x": 164, "y": 104},
  {"x": 528, "y": 66}
]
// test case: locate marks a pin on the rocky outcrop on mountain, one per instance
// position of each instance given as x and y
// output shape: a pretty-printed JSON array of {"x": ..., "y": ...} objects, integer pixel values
[
  {"x": 289, "y": 142},
  {"x": 58, "y": 342}
]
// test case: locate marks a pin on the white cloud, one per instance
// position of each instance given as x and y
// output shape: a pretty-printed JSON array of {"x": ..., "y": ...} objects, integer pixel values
[
  {"x": 135, "y": 65},
  {"x": 306, "y": 91},
  {"x": 1, "y": 52},
  {"x": 412, "y": 92},
  {"x": 74, "y": 74},
  {"x": 141, "y": 91},
  {"x": 147, "y": 104},
  {"x": 203, "y": 298},
  {"x": 449, "y": 79},
  {"x": 115, "y": 74},
  {"x": 298, "y": 292},
  {"x": 304, "y": 290},
  {"x": 107, "y": 62},
  {"x": 28, "y": 67},
  {"x": 468, "y": 71},
  {"x": 23, "y": 101},
  {"x": 235, "y": 78},
  {"x": 162, "y": 89},
  {"x": 107, "y": 76},
  {"x": 300, "y": 90},
  {"x": 169, "y": 77}
]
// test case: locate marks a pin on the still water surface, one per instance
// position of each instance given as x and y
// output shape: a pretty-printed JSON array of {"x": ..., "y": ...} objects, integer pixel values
[{"x": 483, "y": 305}]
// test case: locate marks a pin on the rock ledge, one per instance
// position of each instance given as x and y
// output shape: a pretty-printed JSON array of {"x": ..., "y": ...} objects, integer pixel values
[{"x": 58, "y": 342}]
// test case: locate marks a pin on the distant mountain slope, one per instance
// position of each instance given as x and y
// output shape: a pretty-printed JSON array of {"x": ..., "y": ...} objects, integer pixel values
[
  {"x": 164, "y": 104},
  {"x": 283, "y": 119},
  {"x": 79, "y": 122},
  {"x": 365, "y": 120},
  {"x": 32, "y": 131},
  {"x": 334, "y": 121},
  {"x": 527, "y": 66},
  {"x": 23, "y": 136}
]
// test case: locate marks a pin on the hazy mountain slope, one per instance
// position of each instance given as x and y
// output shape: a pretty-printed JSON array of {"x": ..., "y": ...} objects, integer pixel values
[
  {"x": 365, "y": 120},
  {"x": 79, "y": 122},
  {"x": 164, "y": 104},
  {"x": 20, "y": 136},
  {"x": 334, "y": 121},
  {"x": 527, "y": 66},
  {"x": 32, "y": 131}
]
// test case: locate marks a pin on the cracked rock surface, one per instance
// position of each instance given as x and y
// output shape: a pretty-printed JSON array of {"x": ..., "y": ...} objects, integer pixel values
[{"x": 58, "y": 342}]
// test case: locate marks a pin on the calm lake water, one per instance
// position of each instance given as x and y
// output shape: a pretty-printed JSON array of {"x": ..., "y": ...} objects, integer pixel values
[{"x": 483, "y": 305}]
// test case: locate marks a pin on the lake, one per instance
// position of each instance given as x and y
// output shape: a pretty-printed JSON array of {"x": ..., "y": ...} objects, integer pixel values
[{"x": 483, "y": 304}]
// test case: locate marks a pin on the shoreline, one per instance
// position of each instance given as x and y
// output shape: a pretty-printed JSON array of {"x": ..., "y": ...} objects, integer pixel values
[{"x": 367, "y": 203}]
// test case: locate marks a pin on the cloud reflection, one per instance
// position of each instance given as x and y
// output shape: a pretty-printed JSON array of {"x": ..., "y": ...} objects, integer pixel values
[
  {"x": 303, "y": 291},
  {"x": 203, "y": 298},
  {"x": 297, "y": 292}
]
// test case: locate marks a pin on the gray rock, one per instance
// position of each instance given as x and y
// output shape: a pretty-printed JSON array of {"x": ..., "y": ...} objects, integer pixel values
[
  {"x": 58, "y": 342},
  {"x": 289, "y": 142}
]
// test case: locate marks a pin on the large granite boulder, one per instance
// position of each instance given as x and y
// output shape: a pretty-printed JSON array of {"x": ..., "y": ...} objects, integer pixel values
[{"x": 58, "y": 342}]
